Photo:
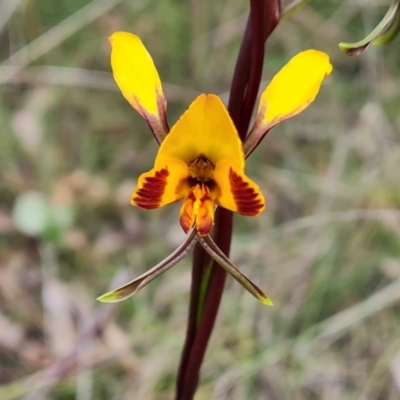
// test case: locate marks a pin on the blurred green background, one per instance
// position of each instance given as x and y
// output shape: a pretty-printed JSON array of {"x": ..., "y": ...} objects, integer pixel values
[{"x": 326, "y": 250}]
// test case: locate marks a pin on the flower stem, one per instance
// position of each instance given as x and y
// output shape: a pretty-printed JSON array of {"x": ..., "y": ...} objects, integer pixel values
[
  {"x": 207, "y": 286},
  {"x": 201, "y": 332}
]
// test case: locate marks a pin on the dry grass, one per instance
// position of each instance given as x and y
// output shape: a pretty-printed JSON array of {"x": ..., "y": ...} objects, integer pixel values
[{"x": 326, "y": 250}]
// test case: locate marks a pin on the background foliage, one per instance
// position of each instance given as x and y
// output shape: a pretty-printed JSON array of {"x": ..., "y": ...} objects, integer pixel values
[{"x": 326, "y": 250}]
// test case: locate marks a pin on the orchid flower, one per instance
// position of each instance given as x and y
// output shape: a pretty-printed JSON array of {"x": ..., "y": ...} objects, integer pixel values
[{"x": 201, "y": 160}]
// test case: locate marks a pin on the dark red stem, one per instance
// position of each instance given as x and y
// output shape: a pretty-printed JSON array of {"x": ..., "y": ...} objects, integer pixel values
[
  {"x": 191, "y": 369},
  {"x": 264, "y": 16},
  {"x": 200, "y": 260}
]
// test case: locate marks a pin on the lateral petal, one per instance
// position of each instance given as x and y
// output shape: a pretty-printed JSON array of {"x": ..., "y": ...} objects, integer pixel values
[
  {"x": 294, "y": 87},
  {"x": 290, "y": 91},
  {"x": 164, "y": 184},
  {"x": 235, "y": 191},
  {"x": 138, "y": 80},
  {"x": 205, "y": 129}
]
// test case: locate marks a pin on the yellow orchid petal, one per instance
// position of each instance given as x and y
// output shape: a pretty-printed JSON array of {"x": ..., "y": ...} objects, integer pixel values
[
  {"x": 138, "y": 80},
  {"x": 235, "y": 191},
  {"x": 291, "y": 90},
  {"x": 198, "y": 207},
  {"x": 164, "y": 184},
  {"x": 205, "y": 129},
  {"x": 294, "y": 87}
]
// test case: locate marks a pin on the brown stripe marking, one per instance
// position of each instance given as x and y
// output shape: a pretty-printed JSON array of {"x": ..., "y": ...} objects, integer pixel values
[
  {"x": 246, "y": 198},
  {"x": 149, "y": 196}
]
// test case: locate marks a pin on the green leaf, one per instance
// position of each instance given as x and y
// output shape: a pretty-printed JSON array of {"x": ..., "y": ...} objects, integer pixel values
[
  {"x": 391, "y": 33},
  {"x": 379, "y": 34}
]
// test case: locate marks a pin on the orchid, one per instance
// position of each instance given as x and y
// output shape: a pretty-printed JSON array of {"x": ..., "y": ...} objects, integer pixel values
[{"x": 201, "y": 160}]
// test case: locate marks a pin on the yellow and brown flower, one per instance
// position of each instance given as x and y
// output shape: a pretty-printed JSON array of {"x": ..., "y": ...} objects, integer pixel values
[{"x": 202, "y": 159}]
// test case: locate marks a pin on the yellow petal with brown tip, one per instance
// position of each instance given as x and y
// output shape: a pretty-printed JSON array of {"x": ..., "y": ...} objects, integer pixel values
[
  {"x": 138, "y": 80},
  {"x": 294, "y": 87}
]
